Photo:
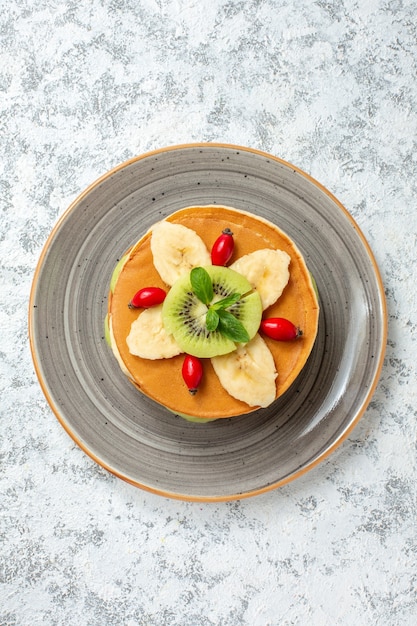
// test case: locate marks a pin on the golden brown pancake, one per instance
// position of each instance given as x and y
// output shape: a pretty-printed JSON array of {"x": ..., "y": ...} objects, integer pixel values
[{"x": 161, "y": 379}]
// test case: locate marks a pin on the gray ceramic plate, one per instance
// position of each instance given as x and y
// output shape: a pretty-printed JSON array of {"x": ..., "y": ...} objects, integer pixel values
[{"x": 136, "y": 439}]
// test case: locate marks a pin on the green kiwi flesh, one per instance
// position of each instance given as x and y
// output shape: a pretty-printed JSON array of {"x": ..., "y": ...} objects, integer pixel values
[
  {"x": 107, "y": 330},
  {"x": 116, "y": 272},
  {"x": 248, "y": 310},
  {"x": 184, "y": 315}
]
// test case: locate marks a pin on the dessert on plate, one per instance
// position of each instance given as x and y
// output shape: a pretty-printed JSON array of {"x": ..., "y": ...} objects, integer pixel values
[{"x": 213, "y": 313}]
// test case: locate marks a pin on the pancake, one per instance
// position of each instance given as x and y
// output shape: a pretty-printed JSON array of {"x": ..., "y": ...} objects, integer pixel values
[{"x": 161, "y": 379}]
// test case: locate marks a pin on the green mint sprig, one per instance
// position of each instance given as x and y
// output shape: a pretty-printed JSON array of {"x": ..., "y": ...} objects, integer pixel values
[
  {"x": 202, "y": 285},
  {"x": 217, "y": 318},
  {"x": 230, "y": 327}
]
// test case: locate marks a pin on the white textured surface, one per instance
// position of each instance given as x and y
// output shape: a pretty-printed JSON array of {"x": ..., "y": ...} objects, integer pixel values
[{"x": 330, "y": 86}]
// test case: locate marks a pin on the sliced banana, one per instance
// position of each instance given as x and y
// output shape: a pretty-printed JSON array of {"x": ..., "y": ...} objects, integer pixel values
[
  {"x": 267, "y": 271},
  {"x": 248, "y": 374},
  {"x": 176, "y": 250},
  {"x": 148, "y": 337}
]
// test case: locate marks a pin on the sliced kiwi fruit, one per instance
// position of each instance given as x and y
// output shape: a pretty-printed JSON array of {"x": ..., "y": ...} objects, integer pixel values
[
  {"x": 248, "y": 310},
  {"x": 116, "y": 272},
  {"x": 184, "y": 315},
  {"x": 107, "y": 330}
]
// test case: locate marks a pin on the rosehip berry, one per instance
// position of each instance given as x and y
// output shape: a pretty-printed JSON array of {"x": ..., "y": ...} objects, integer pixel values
[
  {"x": 280, "y": 329},
  {"x": 222, "y": 249},
  {"x": 147, "y": 297},
  {"x": 192, "y": 373}
]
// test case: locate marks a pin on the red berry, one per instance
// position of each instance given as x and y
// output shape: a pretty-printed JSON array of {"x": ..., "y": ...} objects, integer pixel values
[
  {"x": 192, "y": 373},
  {"x": 222, "y": 249},
  {"x": 147, "y": 297},
  {"x": 280, "y": 329}
]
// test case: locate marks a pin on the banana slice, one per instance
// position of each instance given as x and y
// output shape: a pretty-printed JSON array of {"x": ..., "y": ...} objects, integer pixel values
[
  {"x": 267, "y": 271},
  {"x": 248, "y": 374},
  {"x": 176, "y": 250},
  {"x": 148, "y": 337}
]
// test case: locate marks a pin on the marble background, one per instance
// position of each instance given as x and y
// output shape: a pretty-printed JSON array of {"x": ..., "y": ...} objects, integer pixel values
[{"x": 329, "y": 85}]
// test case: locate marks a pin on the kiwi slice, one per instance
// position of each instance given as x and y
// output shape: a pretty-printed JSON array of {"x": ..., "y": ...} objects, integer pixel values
[
  {"x": 116, "y": 272},
  {"x": 107, "y": 330},
  {"x": 248, "y": 310},
  {"x": 184, "y": 314}
]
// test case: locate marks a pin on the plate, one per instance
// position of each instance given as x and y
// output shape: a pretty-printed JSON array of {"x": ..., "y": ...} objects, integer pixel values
[{"x": 130, "y": 435}]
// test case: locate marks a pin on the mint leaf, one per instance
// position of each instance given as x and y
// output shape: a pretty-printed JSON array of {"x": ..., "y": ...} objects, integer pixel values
[
  {"x": 231, "y": 328},
  {"x": 226, "y": 302},
  {"x": 212, "y": 319},
  {"x": 202, "y": 285}
]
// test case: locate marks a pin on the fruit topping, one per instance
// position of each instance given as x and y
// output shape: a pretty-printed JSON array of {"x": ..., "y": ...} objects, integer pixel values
[
  {"x": 222, "y": 249},
  {"x": 267, "y": 271},
  {"x": 176, "y": 249},
  {"x": 280, "y": 329},
  {"x": 217, "y": 316},
  {"x": 248, "y": 373},
  {"x": 116, "y": 272},
  {"x": 147, "y": 297},
  {"x": 210, "y": 310},
  {"x": 148, "y": 337},
  {"x": 192, "y": 373}
]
